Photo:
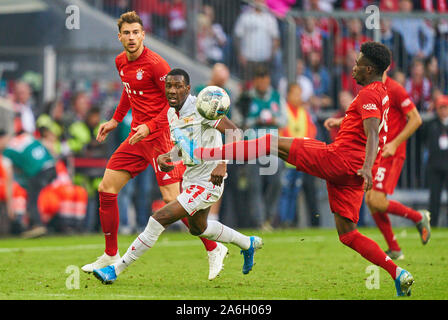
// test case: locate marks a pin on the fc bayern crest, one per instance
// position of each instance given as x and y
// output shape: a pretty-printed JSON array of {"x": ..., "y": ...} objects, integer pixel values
[{"x": 140, "y": 74}]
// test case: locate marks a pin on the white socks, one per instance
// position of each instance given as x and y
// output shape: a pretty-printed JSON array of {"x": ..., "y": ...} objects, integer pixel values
[
  {"x": 218, "y": 232},
  {"x": 144, "y": 241}
]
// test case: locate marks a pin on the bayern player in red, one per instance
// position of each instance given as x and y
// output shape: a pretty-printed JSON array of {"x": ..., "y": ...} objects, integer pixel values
[
  {"x": 346, "y": 164},
  {"x": 403, "y": 121},
  {"x": 142, "y": 73}
]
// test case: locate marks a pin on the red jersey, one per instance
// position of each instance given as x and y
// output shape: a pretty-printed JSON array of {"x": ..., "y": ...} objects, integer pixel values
[
  {"x": 144, "y": 91},
  {"x": 371, "y": 101},
  {"x": 400, "y": 105}
]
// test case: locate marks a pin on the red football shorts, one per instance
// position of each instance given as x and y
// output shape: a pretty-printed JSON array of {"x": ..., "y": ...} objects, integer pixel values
[
  {"x": 136, "y": 158},
  {"x": 387, "y": 173},
  {"x": 344, "y": 186}
]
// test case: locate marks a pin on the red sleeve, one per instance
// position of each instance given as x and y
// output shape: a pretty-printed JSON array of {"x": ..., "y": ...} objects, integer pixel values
[
  {"x": 403, "y": 99},
  {"x": 123, "y": 107},
  {"x": 159, "y": 72},
  {"x": 369, "y": 104}
]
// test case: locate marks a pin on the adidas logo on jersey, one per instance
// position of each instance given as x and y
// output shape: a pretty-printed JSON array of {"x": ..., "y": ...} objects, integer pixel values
[
  {"x": 166, "y": 177},
  {"x": 369, "y": 106}
]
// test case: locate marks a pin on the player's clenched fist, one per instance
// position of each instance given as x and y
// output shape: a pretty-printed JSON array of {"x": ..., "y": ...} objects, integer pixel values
[
  {"x": 141, "y": 132},
  {"x": 105, "y": 128},
  {"x": 332, "y": 123}
]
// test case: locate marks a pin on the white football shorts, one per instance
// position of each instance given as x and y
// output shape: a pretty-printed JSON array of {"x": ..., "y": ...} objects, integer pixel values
[{"x": 198, "y": 196}]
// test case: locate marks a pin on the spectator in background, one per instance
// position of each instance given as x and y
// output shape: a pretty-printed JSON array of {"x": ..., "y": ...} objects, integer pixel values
[
  {"x": 266, "y": 113},
  {"x": 400, "y": 77},
  {"x": 90, "y": 159},
  {"x": 346, "y": 79},
  {"x": 432, "y": 72},
  {"x": 35, "y": 169},
  {"x": 257, "y": 39},
  {"x": 116, "y": 7},
  {"x": 353, "y": 5},
  {"x": 320, "y": 77},
  {"x": 79, "y": 106},
  {"x": 311, "y": 38},
  {"x": 389, "y": 5},
  {"x": 351, "y": 42},
  {"x": 329, "y": 25},
  {"x": 394, "y": 41},
  {"x": 418, "y": 37},
  {"x": 24, "y": 119},
  {"x": 304, "y": 82},
  {"x": 299, "y": 124},
  {"x": 6, "y": 177},
  {"x": 177, "y": 21},
  {"x": 345, "y": 98},
  {"x": 435, "y": 135},
  {"x": 212, "y": 43},
  {"x": 154, "y": 15},
  {"x": 419, "y": 86}
]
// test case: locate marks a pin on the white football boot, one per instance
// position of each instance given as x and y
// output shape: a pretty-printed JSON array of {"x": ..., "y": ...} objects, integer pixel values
[
  {"x": 215, "y": 260},
  {"x": 103, "y": 261}
]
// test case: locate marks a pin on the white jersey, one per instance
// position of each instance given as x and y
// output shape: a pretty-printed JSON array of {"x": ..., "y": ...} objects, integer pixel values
[{"x": 189, "y": 130}]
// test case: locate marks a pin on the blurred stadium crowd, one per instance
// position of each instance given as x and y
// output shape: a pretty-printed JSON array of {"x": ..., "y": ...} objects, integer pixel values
[{"x": 51, "y": 165}]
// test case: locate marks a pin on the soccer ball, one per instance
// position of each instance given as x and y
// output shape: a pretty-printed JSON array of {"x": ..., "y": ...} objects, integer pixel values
[{"x": 213, "y": 103}]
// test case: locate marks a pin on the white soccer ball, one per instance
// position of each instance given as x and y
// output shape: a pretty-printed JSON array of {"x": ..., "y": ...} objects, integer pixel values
[{"x": 213, "y": 102}]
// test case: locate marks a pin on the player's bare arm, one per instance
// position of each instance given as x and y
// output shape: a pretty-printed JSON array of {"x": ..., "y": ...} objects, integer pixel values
[
  {"x": 414, "y": 122},
  {"x": 228, "y": 128},
  {"x": 105, "y": 128},
  {"x": 331, "y": 123},
  {"x": 371, "y": 129}
]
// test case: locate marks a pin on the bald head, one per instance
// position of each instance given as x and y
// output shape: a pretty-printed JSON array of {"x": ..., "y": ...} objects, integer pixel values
[{"x": 220, "y": 75}]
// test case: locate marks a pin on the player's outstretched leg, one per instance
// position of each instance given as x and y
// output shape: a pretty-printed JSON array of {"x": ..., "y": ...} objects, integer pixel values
[
  {"x": 141, "y": 244},
  {"x": 219, "y": 232}
]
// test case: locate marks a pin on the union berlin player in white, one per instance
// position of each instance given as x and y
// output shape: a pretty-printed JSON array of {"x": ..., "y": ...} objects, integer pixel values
[
  {"x": 142, "y": 72},
  {"x": 203, "y": 182}
]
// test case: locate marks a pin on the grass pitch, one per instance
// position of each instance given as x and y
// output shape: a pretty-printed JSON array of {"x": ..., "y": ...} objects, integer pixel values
[{"x": 293, "y": 265}]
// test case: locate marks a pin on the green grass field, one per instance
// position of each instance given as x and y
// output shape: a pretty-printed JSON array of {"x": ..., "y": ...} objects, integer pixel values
[{"x": 294, "y": 264}]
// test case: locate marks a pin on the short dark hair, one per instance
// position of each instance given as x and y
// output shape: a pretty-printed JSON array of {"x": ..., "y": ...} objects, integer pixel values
[
  {"x": 261, "y": 71},
  {"x": 378, "y": 54},
  {"x": 180, "y": 72}
]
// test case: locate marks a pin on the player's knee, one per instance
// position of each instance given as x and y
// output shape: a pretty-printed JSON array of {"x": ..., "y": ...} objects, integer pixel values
[
  {"x": 376, "y": 201},
  {"x": 196, "y": 230},
  {"x": 167, "y": 198}
]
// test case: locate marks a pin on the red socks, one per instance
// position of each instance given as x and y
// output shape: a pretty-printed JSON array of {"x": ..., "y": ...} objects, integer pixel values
[
  {"x": 383, "y": 223},
  {"x": 209, "y": 244},
  {"x": 243, "y": 150},
  {"x": 399, "y": 209},
  {"x": 369, "y": 249},
  {"x": 109, "y": 219}
]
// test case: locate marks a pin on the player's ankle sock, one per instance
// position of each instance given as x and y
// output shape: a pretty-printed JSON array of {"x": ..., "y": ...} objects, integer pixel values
[
  {"x": 383, "y": 222},
  {"x": 141, "y": 244},
  {"x": 399, "y": 209},
  {"x": 240, "y": 150},
  {"x": 217, "y": 231},
  {"x": 210, "y": 245},
  {"x": 369, "y": 249},
  {"x": 109, "y": 218}
]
